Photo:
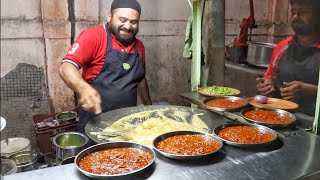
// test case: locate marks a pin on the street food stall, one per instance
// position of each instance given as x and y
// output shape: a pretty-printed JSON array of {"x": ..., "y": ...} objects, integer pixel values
[
  {"x": 293, "y": 154},
  {"x": 243, "y": 138}
]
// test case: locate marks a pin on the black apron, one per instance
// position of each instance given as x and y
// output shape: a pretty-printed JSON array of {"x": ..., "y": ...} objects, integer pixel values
[
  {"x": 117, "y": 82},
  {"x": 299, "y": 64}
]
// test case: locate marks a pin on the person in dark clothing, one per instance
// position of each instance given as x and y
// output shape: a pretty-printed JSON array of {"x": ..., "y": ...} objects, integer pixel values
[
  {"x": 112, "y": 62},
  {"x": 293, "y": 71}
]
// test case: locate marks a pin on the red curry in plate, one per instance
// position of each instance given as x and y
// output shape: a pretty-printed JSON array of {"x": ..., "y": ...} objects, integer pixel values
[
  {"x": 225, "y": 103},
  {"x": 245, "y": 134},
  {"x": 266, "y": 116},
  {"x": 188, "y": 144},
  {"x": 116, "y": 161}
]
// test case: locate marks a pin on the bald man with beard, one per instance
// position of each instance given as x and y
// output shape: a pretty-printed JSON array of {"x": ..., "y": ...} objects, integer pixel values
[{"x": 112, "y": 62}]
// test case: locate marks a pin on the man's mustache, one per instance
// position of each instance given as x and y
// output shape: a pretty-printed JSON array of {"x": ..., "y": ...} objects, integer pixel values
[{"x": 126, "y": 30}]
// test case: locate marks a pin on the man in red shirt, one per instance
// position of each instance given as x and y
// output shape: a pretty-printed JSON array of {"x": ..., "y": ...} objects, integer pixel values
[
  {"x": 293, "y": 71},
  {"x": 112, "y": 62}
]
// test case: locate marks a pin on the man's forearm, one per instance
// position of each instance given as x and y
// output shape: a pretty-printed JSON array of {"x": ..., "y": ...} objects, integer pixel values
[
  {"x": 143, "y": 92},
  {"x": 72, "y": 77},
  {"x": 310, "y": 89}
]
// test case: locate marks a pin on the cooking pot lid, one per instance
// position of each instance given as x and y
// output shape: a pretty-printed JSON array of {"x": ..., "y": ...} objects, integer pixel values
[{"x": 12, "y": 145}]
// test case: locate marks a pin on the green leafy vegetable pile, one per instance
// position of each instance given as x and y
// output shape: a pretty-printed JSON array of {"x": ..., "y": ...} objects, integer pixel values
[{"x": 216, "y": 90}]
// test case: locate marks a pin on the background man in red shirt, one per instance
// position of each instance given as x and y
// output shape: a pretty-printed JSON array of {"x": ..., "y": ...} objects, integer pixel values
[
  {"x": 112, "y": 62},
  {"x": 293, "y": 71}
]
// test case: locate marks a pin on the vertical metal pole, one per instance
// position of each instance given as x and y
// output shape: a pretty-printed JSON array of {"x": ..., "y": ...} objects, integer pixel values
[
  {"x": 215, "y": 40},
  {"x": 196, "y": 52},
  {"x": 316, "y": 125}
]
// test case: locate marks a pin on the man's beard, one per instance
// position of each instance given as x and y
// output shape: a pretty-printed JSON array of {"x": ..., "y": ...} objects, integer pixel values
[
  {"x": 301, "y": 28},
  {"x": 124, "y": 39}
]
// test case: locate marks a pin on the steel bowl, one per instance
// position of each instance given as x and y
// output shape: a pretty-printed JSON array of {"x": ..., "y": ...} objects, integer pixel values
[
  {"x": 244, "y": 145},
  {"x": 271, "y": 125},
  {"x": 66, "y": 116},
  {"x": 8, "y": 167},
  {"x": 184, "y": 157},
  {"x": 68, "y": 144},
  {"x": 111, "y": 145},
  {"x": 259, "y": 53},
  {"x": 25, "y": 160},
  {"x": 226, "y": 109}
]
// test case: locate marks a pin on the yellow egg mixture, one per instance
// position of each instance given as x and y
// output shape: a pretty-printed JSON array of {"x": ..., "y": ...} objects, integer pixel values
[{"x": 144, "y": 127}]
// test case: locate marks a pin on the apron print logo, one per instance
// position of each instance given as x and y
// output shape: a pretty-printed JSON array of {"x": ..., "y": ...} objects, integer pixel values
[{"x": 126, "y": 66}]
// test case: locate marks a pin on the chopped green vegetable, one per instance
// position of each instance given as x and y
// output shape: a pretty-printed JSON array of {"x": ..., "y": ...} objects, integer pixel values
[
  {"x": 217, "y": 90},
  {"x": 66, "y": 116}
]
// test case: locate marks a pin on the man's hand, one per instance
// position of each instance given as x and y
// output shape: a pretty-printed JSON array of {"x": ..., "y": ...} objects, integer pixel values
[
  {"x": 90, "y": 99},
  {"x": 265, "y": 86},
  {"x": 290, "y": 90}
]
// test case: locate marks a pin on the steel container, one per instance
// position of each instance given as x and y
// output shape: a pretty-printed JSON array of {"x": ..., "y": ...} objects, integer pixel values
[
  {"x": 271, "y": 125},
  {"x": 185, "y": 157},
  {"x": 259, "y": 53},
  {"x": 68, "y": 144},
  {"x": 25, "y": 160},
  {"x": 68, "y": 160},
  {"x": 8, "y": 167},
  {"x": 245, "y": 145},
  {"x": 112, "y": 145},
  {"x": 232, "y": 98}
]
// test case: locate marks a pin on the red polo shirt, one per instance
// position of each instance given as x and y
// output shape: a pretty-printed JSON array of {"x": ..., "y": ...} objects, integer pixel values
[
  {"x": 278, "y": 52},
  {"x": 90, "y": 49}
]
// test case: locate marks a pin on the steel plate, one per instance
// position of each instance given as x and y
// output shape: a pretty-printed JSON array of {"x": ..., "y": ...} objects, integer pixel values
[
  {"x": 271, "y": 125},
  {"x": 237, "y": 92},
  {"x": 100, "y": 122},
  {"x": 111, "y": 145},
  {"x": 227, "y": 109},
  {"x": 185, "y": 157},
  {"x": 261, "y": 128}
]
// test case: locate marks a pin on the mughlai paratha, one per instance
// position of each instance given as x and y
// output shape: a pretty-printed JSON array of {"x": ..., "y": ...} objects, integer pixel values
[{"x": 144, "y": 126}]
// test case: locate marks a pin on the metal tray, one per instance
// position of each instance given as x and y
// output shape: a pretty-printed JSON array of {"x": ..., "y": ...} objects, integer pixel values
[
  {"x": 261, "y": 128},
  {"x": 226, "y": 109},
  {"x": 100, "y": 122},
  {"x": 271, "y": 125},
  {"x": 111, "y": 145},
  {"x": 185, "y": 157}
]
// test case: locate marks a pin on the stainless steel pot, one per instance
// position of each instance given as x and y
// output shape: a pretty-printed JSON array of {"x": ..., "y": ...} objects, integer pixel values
[
  {"x": 68, "y": 160},
  {"x": 25, "y": 160},
  {"x": 259, "y": 53},
  {"x": 68, "y": 144}
]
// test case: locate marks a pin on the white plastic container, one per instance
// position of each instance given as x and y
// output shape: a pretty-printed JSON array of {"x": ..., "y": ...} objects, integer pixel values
[{"x": 14, "y": 145}]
